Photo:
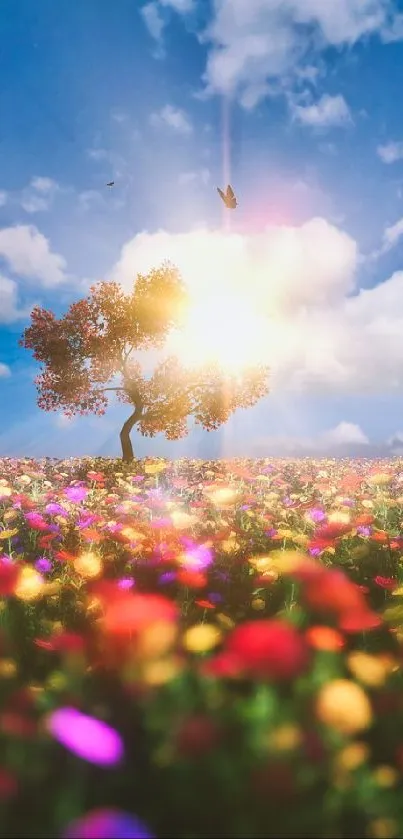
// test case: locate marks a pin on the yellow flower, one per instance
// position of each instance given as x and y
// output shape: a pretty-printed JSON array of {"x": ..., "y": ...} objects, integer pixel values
[
  {"x": 385, "y": 776},
  {"x": 258, "y": 604},
  {"x": 202, "y": 638},
  {"x": 383, "y": 828},
  {"x": 344, "y": 706},
  {"x": 155, "y": 641},
  {"x": 285, "y": 738},
  {"x": 8, "y": 534},
  {"x": 30, "y": 584},
  {"x": 369, "y": 669},
  {"x": 351, "y": 757},
  {"x": 88, "y": 565},
  {"x": 8, "y": 668}
]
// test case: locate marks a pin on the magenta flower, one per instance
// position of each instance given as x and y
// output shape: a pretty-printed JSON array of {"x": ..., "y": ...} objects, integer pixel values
[
  {"x": 107, "y": 823},
  {"x": 76, "y": 494},
  {"x": 88, "y": 738},
  {"x": 316, "y": 514},
  {"x": 54, "y": 509}
]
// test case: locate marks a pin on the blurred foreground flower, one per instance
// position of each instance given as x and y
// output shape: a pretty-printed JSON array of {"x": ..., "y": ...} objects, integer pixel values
[
  {"x": 269, "y": 649},
  {"x": 107, "y": 823},
  {"x": 87, "y": 737}
]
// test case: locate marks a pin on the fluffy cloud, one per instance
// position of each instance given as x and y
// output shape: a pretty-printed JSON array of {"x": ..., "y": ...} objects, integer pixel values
[
  {"x": 28, "y": 254},
  {"x": 9, "y": 309},
  {"x": 346, "y": 439},
  {"x": 321, "y": 333},
  {"x": 39, "y": 195},
  {"x": 391, "y": 152},
  {"x": 327, "y": 112},
  {"x": 151, "y": 15},
  {"x": 392, "y": 234},
  {"x": 3, "y": 197},
  {"x": 4, "y": 370},
  {"x": 255, "y": 43},
  {"x": 173, "y": 118}
]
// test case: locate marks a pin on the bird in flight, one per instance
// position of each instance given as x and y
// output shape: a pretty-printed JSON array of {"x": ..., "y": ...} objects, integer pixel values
[
  {"x": 111, "y": 183},
  {"x": 228, "y": 197}
]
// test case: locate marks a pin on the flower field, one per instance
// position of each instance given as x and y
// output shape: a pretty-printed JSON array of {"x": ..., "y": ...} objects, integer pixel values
[{"x": 200, "y": 649}]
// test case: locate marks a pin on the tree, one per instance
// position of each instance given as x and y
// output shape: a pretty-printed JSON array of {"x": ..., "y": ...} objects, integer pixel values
[{"x": 90, "y": 352}]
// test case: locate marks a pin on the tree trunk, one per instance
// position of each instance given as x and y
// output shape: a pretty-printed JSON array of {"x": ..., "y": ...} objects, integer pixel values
[{"x": 125, "y": 441}]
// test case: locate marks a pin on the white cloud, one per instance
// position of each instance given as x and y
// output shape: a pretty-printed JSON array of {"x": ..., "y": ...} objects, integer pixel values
[
  {"x": 151, "y": 15},
  {"x": 394, "y": 30},
  {"x": 89, "y": 198},
  {"x": 3, "y": 197},
  {"x": 345, "y": 439},
  {"x": 5, "y": 371},
  {"x": 64, "y": 422},
  {"x": 393, "y": 234},
  {"x": 200, "y": 177},
  {"x": 327, "y": 112},
  {"x": 173, "y": 118},
  {"x": 9, "y": 310},
  {"x": 344, "y": 433},
  {"x": 180, "y": 6},
  {"x": 28, "y": 254},
  {"x": 257, "y": 42},
  {"x": 321, "y": 333},
  {"x": 391, "y": 237},
  {"x": 391, "y": 152},
  {"x": 39, "y": 195}
]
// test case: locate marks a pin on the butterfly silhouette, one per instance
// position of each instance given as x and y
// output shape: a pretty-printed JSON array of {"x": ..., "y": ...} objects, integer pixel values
[{"x": 228, "y": 197}]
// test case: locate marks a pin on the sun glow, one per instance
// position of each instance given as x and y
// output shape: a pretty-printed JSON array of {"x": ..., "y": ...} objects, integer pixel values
[{"x": 223, "y": 329}]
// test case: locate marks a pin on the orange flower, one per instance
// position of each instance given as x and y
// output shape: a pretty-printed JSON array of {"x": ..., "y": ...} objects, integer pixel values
[{"x": 324, "y": 638}]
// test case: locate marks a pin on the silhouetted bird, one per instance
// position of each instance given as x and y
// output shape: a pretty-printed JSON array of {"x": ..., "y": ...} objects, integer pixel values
[
  {"x": 228, "y": 197},
  {"x": 111, "y": 183}
]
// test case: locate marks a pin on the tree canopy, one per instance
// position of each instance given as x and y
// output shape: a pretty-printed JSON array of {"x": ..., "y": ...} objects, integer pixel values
[{"x": 92, "y": 352}]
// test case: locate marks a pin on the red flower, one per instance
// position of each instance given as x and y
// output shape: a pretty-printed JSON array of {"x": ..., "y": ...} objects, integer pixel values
[
  {"x": 360, "y": 621},
  {"x": 8, "y": 576},
  {"x": 269, "y": 649},
  {"x": 333, "y": 592},
  {"x": 363, "y": 520},
  {"x": 192, "y": 579},
  {"x": 386, "y": 582},
  {"x": 132, "y": 614},
  {"x": 332, "y": 531},
  {"x": 222, "y": 666}
]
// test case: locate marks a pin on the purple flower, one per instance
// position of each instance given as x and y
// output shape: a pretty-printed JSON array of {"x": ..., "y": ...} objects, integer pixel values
[
  {"x": 76, "y": 494},
  {"x": 364, "y": 530},
  {"x": 125, "y": 583},
  {"x": 348, "y": 502},
  {"x": 316, "y": 514},
  {"x": 107, "y": 823},
  {"x": 35, "y": 520},
  {"x": 54, "y": 509},
  {"x": 43, "y": 565},
  {"x": 215, "y": 597},
  {"x": 197, "y": 558},
  {"x": 167, "y": 577},
  {"x": 270, "y": 533},
  {"x": 88, "y": 738},
  {"x": 314, "y": 551}
]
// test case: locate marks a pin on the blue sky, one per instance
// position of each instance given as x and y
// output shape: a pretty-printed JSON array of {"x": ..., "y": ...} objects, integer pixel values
[{"x": 298, "y": 103}]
